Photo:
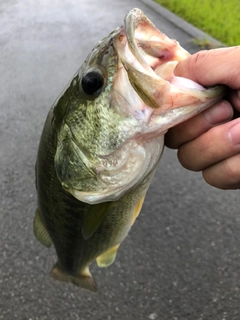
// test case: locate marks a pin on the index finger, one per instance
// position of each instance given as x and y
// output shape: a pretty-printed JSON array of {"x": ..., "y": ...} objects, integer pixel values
[
  {"x": 189, "y": 130},
  {"x": 212, "y": 67}
]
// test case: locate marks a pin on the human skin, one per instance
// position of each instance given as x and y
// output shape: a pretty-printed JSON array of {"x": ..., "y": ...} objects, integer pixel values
[{"x": 210, "y": 142}]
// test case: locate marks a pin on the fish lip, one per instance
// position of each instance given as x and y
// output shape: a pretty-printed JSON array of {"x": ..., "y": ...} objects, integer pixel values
[{"x": 131, "y": 22}]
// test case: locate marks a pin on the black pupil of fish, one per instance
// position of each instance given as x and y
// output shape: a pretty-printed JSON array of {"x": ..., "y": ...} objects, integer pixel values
[{"x": 92, "y": 82}]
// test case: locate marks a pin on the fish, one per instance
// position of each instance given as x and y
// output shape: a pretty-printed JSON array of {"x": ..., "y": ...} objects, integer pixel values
[{"x": 102, "y": 141}]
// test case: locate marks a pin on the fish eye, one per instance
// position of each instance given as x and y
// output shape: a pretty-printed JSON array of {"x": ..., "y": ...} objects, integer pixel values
[{"x": 92, "y": 82}]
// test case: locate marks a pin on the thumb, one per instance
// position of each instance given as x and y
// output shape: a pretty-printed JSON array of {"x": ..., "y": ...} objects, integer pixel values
[{"x": 212, "y": 67}]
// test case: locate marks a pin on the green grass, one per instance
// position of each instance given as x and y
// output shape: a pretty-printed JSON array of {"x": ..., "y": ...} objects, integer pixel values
[{"x": 218, "y": 18}]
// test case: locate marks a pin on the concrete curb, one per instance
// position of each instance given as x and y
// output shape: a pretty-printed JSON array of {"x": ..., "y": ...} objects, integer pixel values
[{"x": 192, "y": 31}]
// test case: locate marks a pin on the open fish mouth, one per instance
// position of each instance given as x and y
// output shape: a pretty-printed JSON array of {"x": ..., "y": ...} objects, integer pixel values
[{"x": 149, "y": 58}]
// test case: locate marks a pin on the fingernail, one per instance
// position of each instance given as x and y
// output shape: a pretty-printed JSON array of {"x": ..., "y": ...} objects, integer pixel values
[
  {"x": 238, "y": 93},
  {"x": 219, "y": 113},
  {"x": 234, "y": 134}
]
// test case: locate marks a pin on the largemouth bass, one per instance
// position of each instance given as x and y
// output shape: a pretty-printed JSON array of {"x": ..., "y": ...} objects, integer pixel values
[{"x": 102, "y": 141}]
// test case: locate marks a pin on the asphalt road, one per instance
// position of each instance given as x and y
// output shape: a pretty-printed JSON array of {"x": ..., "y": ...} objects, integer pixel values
[{"x": 181, "y": 260}]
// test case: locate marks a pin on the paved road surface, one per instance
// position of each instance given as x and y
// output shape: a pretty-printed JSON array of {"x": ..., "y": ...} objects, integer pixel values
[{"x": 181, "y": 260}]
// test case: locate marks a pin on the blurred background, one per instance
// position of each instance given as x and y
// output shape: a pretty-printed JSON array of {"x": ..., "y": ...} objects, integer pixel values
[{"x": 181, "y": 260}]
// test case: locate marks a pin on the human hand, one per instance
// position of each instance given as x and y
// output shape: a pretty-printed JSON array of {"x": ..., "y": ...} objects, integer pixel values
[{"x": 210, "y": 142}]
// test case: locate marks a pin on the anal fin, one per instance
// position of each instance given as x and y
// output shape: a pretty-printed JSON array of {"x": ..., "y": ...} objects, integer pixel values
[
  {"x": 83, "y": 279},
  {"x": 40, "y": 231},
  {"x": 108, "y": 257}
]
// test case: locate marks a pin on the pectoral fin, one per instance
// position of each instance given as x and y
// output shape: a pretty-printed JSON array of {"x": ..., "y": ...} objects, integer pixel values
[
  {"x": 137, "y": 209},
  {"x": 93, "y": 218},
  {"x": 108, "y": 257},
  {"x": 40, "y": 231}
]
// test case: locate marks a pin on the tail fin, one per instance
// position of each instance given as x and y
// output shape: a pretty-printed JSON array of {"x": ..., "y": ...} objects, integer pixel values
[{"x": 83, "y": 280}]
